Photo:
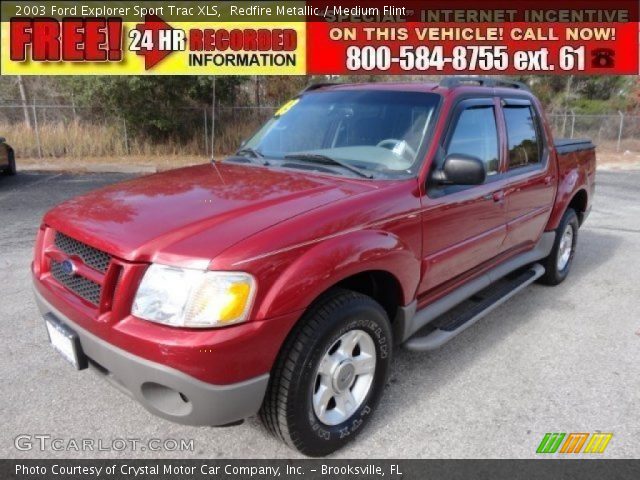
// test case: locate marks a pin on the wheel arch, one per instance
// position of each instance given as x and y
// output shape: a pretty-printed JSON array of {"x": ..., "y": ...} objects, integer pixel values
[
  {"x": 381, "y": 285},
  {"x": 579, "y": 203},
  {"x": 375, "y": 263},
  {"x": 578, "y": 199}
]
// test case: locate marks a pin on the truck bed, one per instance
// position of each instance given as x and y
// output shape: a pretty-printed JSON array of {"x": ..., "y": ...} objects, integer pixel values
[{"x": 568, "y": 145}]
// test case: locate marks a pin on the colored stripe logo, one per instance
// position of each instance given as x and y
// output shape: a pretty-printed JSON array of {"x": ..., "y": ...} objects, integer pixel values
[
  {"x": 574, "y": 442},
  {"x": 598, "y": 443}
]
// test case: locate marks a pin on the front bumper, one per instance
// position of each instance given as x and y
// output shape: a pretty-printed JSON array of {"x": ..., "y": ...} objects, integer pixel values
[{"x": 162, "y": 390}]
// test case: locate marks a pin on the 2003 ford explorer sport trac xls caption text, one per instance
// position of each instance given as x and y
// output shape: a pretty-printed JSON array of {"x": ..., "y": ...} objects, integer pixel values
[{"x": 359, "y": 218}]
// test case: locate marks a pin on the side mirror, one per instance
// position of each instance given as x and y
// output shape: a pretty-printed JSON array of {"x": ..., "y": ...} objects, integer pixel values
[{"x": 460, "y": 169}]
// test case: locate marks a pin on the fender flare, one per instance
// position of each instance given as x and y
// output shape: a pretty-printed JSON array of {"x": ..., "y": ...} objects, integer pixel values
[
  {"x": 570, "y": 185},
  {"x": 329, "y": 262}
]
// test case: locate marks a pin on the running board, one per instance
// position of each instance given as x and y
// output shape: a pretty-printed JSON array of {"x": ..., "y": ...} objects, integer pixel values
[
  {"x": 442, "y": 329},
  {"x": 411, "y": 321}
]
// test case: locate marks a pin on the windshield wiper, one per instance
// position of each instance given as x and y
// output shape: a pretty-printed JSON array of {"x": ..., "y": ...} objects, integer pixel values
[
  {"x": 248, "y": 152},
  {"x": 325, "y": 160}
]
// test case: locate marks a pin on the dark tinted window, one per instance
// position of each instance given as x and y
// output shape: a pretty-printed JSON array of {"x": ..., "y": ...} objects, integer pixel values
[
  {"x": 522, "y": 136},
  {"x": 476, "y": 134}
]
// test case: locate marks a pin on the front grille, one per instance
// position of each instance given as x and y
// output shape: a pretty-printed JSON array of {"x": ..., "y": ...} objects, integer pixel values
[
  {"x": 83, "y": 287},
  {"x": 94, "y": 258}
]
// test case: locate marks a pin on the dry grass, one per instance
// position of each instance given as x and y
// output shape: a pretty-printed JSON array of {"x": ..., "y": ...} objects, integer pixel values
[
  {"x": 82, "y": 146},
  {"x": 63, "y": 140},
  {"x": 81, "y": 140},
  {"x": 106, "y": 138}
]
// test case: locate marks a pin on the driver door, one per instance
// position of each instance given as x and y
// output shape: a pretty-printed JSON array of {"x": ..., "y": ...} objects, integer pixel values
[{"x": 464, "y": 226}]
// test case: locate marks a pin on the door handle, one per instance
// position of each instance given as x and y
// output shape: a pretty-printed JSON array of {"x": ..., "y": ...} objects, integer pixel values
[{"x": 547, "y": 179}]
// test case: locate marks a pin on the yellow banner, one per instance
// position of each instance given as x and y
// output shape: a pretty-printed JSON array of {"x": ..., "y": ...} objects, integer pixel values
[{"x": 152, "y": 47}]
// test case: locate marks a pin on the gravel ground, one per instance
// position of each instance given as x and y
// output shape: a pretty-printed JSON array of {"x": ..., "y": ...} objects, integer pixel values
[{"x": 562, "y": 359}]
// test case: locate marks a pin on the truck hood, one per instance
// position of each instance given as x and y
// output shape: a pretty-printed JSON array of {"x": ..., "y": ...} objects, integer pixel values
[{"x": 188, "y": 216}]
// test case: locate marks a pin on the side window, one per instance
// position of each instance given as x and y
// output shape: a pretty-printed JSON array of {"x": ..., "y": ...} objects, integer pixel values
[
  {"x": 476, "y": 134},
  {"x": 522, "y": 136}
]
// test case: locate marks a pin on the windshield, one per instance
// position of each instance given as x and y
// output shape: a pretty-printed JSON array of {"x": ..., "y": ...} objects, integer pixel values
[{"x": 371, "y": 130}]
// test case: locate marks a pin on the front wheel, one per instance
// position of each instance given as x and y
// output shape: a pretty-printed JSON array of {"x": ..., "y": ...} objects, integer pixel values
[
  {"x": 330, "y": 374},
  {"x": 558, "y": 264}
]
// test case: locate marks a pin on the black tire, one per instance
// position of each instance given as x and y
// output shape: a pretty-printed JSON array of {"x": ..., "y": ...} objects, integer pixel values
[
  {"x": 11, "y": 168},
  {"x": 287, "y": 411},
  {"x": 553, "y": 275}
]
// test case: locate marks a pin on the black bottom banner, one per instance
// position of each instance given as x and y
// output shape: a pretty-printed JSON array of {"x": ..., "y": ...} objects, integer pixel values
[{"x": 547, "y": 469}]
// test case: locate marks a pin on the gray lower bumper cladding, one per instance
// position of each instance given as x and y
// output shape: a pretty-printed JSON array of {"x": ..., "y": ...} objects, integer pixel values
[{"x": 164, "y": 391}]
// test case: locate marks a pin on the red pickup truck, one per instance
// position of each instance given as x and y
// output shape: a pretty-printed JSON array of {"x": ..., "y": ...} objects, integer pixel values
[{"x": 279, "y": 281}]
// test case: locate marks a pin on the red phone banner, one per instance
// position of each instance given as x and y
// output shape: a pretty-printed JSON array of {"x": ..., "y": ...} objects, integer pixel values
[
  {"x": 457, "y": 37},
  {"x": 319, "y": 37}
]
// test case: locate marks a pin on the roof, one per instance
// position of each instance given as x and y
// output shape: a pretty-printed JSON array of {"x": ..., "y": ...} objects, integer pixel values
[
  {"x": 403, "y": 86},
  {"x": 447, "y": 84}
]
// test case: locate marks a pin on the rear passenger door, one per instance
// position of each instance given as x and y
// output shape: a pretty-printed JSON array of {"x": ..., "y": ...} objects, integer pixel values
[{"x": 530, "y": 177}]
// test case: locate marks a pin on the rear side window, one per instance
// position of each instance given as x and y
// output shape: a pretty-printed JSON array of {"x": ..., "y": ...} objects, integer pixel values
[
  {"x": 522, "y": 136},
  {"x": 476, "y": 134}
]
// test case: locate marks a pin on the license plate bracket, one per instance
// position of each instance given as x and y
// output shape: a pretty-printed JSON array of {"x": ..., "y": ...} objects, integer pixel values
[{"x": 66, "y": 342}]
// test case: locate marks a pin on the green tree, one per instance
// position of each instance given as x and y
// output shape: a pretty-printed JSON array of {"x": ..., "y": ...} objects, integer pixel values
[{"x": 158, "y": 107}]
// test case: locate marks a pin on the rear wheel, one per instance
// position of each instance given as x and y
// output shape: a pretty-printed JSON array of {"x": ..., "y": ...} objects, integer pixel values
[
  {"x": 558, "y": 264},
  {"x": 330, "y": 374}
]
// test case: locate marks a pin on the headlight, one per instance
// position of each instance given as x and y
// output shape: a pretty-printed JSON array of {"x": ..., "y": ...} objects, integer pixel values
[{"x": 193, "y": 298}]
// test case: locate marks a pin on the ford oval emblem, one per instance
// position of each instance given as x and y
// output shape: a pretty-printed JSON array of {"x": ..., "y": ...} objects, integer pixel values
[{"x": 69, "y": 268}]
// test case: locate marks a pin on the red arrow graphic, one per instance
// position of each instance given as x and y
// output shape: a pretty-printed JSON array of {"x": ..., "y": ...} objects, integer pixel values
[{"x": 153, "y": 55}]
